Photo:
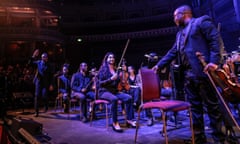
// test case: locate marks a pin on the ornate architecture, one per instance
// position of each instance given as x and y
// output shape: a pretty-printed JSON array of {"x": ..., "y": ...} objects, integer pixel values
[{"x": 26, "y": 25}]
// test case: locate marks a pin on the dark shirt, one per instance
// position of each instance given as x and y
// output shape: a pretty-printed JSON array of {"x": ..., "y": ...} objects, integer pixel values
[
  {"x": 64, "y": 84},
  {"x": 79, "y": 81},
  {"x": 44, "y": 73},
  {"x": 105, "y": 82}
]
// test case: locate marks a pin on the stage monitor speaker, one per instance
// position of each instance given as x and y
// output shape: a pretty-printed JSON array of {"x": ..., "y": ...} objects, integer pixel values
[
  {"x": 32, "y": 127},
  {"x": 28, "y": 136}
]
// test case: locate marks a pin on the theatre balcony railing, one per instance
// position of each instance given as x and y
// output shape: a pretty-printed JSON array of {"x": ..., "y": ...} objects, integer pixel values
[
  {"x": 131, "y": 35},
  {"x": 37, "y": 34}
]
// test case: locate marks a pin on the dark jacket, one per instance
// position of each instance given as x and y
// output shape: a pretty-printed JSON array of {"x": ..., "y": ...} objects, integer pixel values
[
  {"x": 64, "y": 84},
  {"x": 105, "y": 83},
  {"x": 202, "y": 37},
  {"x": 44, "y": 73},
  {"x": 79, "y": 81}
]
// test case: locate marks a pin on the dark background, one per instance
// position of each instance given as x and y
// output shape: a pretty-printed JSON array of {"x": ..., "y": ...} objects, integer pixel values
[{"x": 103, "y": 26}]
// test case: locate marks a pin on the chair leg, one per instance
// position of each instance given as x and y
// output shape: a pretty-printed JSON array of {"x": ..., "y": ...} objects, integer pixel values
[
  {"x": 164, "y": 126},
  {"x": 106, "y": 114},
  {"x": 137, "y": 124},
  {"x": 80, "y": 109},
  {"x": 56, "y": 104},
  {"x": 124, "y": 113},
  {"x": 91, "y": 113},
  {"x": 69, "y": 108},
  {"x": 61, "y": 104},
  {"x": 191, "y": 125},
  {"x": 107, "y": 119}
]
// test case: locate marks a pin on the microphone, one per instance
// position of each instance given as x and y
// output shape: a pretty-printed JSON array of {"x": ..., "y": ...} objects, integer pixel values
[{"x": 151, "y": 57}]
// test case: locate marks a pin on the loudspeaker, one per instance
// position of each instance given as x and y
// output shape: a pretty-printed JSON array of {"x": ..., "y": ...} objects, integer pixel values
[{"x": 32, "y": 127}]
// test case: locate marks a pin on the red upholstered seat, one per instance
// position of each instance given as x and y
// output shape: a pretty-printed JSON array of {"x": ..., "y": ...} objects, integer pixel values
[
  {"x": 169, "y": 105},
  {"x": 150, "y": 91},
  {"x": 99, "y": 102}
]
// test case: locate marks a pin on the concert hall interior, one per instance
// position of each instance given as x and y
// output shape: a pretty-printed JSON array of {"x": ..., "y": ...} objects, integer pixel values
[{"x": 76, "y": 35}]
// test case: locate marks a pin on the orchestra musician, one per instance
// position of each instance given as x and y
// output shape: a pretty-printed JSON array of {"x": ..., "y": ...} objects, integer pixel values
[
  {"x": 197, "y": 35},
  {"x": 134, "y": 82},
  {"x": 64, "y": 87},
  {"x": 108, "y": 79},
  {"x": 81, "y": 84},
  {"x": 231, "y": 67}
]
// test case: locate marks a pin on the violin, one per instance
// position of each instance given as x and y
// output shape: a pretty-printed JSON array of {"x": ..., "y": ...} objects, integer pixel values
[
  {"x": 230, "y": 90},
  {"x": 228, "y": 67},
  {"x": 123, "y": 75}
]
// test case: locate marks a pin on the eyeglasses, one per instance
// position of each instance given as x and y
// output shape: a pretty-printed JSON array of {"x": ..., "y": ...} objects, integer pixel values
[
  {"x": 178, "y": 14},
  {"x": 181, "y": 13}
]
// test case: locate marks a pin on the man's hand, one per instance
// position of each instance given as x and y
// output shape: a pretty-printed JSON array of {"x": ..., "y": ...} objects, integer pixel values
[
  {"x": 51, "y": 88},
  {"x": 83, "y": 90},
  {"x": 210, "y": 67},
  {"x": 35, "y": 53}
]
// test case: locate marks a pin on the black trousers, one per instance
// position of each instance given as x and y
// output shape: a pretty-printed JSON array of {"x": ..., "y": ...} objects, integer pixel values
[
  {"x": 201, "y": 94},
  {"x": 41, "y": 94}
]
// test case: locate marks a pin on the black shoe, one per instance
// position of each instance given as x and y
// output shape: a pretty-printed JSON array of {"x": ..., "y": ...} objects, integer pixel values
[
  {"x": 116, "y": 127},
  {"x": 135, "y": 105},
  {"x": 66, "y": 110},
  {"x": 84, "y": 119},
  {"x": 131, "y": 124},
  {"x": 200, "y": 139},
  {"x": 150, "y": 122}
]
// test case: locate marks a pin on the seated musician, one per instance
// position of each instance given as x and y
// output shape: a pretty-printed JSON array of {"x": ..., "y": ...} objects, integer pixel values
[
  {"x": 108, "y": 81},
  {"x": 166, "y": 82},
  {"x": 135, "y": 91},
  {"x": 64, "y": 88},
  {"x": 231, "y": 67},
  {"x": 81, "y": 88}
]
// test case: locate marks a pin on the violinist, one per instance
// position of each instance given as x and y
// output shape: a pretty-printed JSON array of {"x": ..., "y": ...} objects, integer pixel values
[
  {"x": 81, "y": 88},
  {"x": 134, "y": 82},
  {"x": 108, "y": 81}
]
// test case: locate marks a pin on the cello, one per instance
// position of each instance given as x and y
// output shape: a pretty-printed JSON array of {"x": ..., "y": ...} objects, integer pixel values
[{"x": 230, "y": 90}]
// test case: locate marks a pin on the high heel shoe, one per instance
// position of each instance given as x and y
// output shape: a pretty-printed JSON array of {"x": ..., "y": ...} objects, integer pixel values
[
  {"x": 116, "y": 127},
  {"x": 131, "y": 124}
]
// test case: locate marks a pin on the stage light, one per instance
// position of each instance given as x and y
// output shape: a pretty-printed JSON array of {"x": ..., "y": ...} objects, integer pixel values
[{"x": 79, "y": 40}]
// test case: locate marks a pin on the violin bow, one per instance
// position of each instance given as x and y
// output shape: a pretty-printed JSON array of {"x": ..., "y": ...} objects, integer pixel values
[{"x": 124, "y": 51}]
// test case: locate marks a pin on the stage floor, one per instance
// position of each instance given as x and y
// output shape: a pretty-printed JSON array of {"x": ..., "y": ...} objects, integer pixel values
[{"x": 64, "y": 128}]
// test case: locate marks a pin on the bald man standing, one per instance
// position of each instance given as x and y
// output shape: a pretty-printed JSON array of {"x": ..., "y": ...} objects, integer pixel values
[
  {"x": 43, "y": 80},
  {"x": 197, "y": 35}
]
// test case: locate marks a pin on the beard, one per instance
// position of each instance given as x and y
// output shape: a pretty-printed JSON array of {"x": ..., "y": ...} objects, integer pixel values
[{"x": 180, "y": 23}]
